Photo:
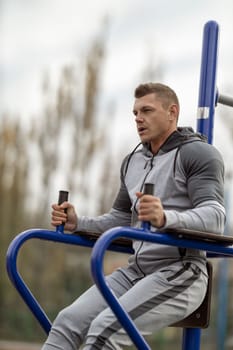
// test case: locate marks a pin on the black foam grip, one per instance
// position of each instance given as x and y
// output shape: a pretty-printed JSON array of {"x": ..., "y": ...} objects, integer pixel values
[
  {"x": 63, "y": 197},
  {"x": 148, "y": 188}
]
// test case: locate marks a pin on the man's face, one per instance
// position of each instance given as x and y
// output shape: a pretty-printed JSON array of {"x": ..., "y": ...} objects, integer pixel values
[{"x": 154, "y": 122}]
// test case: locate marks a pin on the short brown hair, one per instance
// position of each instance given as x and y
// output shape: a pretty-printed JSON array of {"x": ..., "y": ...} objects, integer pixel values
[{"x": 163, "y": 92}]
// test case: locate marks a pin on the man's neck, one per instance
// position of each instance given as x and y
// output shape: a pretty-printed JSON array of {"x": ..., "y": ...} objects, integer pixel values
[{"x": 156, "y": 145}]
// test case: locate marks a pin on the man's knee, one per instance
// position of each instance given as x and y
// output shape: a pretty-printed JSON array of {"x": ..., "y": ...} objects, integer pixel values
[{"x": 68, "y": 321}]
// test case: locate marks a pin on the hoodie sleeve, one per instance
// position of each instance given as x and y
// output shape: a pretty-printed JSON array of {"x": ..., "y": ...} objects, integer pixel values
[
  {"x": 204, "y": 170},
  {"x": 103, "y": 222}
]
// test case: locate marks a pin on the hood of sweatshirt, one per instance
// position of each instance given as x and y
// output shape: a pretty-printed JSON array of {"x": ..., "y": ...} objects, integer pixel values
[{"x": 179, "y": 137}]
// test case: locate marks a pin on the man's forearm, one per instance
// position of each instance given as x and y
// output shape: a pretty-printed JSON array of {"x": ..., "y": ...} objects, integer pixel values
[
  {"x": 209, "y": 217},
  {"x": 103, "y": 222}
]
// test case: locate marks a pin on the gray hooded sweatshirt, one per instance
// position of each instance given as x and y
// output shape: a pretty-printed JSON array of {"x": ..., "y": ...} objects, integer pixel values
[{"x": 188, "y": 177}]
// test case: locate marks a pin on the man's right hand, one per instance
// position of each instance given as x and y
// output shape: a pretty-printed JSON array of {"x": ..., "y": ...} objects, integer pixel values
[{"x": 68, "y": 218}]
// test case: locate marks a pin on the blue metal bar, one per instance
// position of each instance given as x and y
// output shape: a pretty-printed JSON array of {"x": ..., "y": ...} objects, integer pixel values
[
  {"x": 207, "y": 87},
  {"x": 191, "y": 339},
  {"x": 146, "y": 226},
  {"x": 17, "y": 280}
]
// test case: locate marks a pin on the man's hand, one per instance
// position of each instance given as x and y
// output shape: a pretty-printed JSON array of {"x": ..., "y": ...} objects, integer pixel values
[
  {"x": 150, "y": 209},
  {"x": 59, "y": 217}
]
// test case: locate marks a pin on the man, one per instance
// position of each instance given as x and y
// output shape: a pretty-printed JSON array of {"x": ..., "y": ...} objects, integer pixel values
[{"x": 160, "y": 285}]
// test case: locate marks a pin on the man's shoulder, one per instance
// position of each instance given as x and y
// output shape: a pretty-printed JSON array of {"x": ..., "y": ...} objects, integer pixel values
[
  {"x": 200, "y": 150},
  {"x": 201, "y": 157}
]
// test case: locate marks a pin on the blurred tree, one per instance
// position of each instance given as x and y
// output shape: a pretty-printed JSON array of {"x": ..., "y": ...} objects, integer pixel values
[{"x": 13, "y": 189}]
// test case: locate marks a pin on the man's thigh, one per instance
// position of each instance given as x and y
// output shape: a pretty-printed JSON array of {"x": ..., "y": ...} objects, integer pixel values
[
  {"x": 91, "y": 302},
  {"x": 156, "y": 301}
]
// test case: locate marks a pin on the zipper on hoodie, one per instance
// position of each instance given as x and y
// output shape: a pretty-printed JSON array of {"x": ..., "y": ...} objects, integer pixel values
[
  {"x": 135, "y": 209},
  {"x": 144, "y": 180}
]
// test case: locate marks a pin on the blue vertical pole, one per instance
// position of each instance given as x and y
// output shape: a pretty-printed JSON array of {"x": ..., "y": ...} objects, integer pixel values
[
  {"x": 205, "y": 123},
  {"x": 207, "y": 87},
  {"x": 191, "y": 339}
]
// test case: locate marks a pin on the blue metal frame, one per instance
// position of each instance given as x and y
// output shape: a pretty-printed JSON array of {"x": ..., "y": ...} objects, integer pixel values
[
  {"x": 46, "y": 235},
  {"x": 191, "y": 337}
]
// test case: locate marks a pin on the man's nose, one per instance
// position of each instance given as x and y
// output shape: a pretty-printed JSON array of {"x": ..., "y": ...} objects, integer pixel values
[{"x": 139, "y": 118}]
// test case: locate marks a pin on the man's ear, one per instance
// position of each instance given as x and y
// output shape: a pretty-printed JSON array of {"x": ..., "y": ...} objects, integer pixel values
[
  {"x": 173, "y": 112},
  {"x": 169, "y": 116}
]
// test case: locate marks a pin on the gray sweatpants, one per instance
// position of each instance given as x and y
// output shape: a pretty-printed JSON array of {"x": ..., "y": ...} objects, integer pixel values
[{"x": 155, "y": 301}]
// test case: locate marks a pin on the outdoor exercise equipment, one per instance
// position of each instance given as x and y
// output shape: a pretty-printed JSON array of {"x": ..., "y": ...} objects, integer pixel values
[{"x": 118, "y": 239}]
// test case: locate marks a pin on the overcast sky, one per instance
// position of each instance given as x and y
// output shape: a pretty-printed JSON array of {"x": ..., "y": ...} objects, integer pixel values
[{"x": 43, "y": 35}]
